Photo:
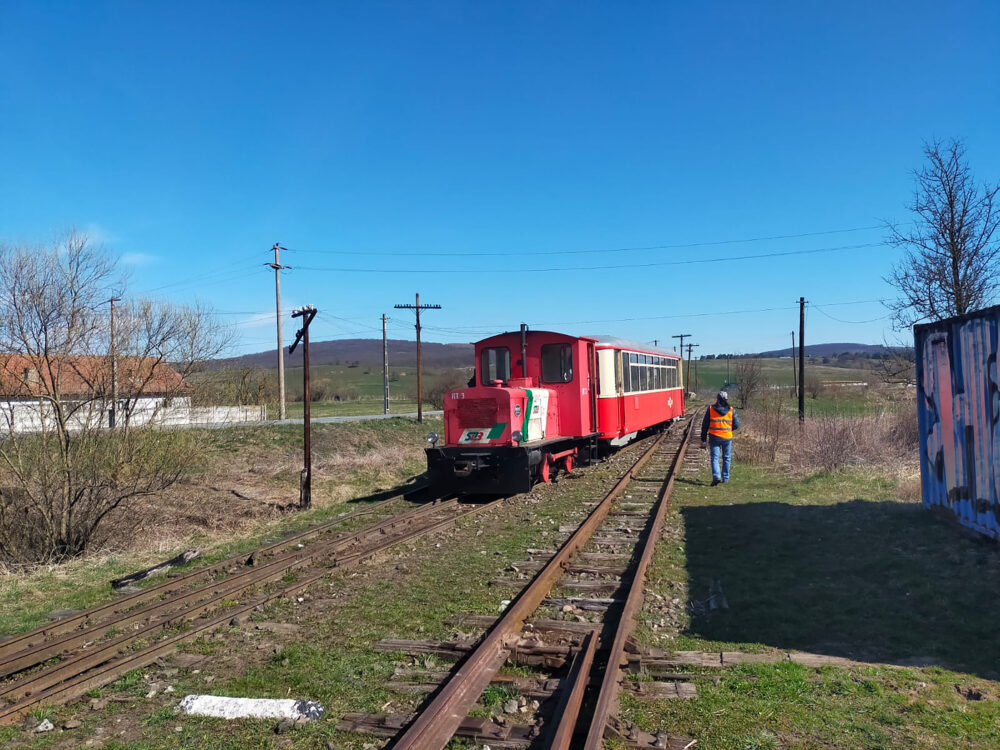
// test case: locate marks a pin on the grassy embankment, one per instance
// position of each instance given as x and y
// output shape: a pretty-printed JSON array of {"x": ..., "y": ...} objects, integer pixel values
[
  {"x": 845, "y": 564},
  {"x": 231, "y": 503}
]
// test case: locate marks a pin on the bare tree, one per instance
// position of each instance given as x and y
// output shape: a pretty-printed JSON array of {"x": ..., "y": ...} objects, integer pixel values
[
  {"x": 949, "y": 265},
  {"x": 63, "y": 471},
  {"x": 814, "y": 386},
  {"x": 749, "y": 378}
]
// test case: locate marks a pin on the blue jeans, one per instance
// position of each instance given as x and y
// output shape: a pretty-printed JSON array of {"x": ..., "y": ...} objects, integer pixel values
[{"x": 720, "y": 448}]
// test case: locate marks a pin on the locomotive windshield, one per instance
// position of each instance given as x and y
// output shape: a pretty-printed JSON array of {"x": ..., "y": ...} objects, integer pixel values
[{"x": 495, "y": 365}]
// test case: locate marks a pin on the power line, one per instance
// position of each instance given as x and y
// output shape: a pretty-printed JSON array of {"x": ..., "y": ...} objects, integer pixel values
[
  {"x": 463, "y": 254},
  {"x": 820, "y": 309},
  {"x": 566, "y": 269}
]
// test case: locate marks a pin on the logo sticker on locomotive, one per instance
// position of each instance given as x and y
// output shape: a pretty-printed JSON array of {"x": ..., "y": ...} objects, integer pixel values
[
  {"x": 473, "y": 436},
  {"x": 517, "y": 410}
]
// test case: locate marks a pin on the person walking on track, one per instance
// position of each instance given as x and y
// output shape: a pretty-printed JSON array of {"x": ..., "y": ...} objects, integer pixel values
[{"x": 717, "y": 428}]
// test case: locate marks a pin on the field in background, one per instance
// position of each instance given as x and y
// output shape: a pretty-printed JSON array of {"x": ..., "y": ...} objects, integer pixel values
[{"x": 713, "y": 373}]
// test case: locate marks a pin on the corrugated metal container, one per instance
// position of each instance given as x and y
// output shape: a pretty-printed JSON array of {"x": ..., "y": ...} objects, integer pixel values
[{"x": 958, "y": 407}]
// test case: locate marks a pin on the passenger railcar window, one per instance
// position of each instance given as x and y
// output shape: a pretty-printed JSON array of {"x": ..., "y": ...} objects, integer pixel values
[
  {"x": 495, "y": 364},
  {"x": 626, "y": 374},
  {"x": 557, "y": 363}
]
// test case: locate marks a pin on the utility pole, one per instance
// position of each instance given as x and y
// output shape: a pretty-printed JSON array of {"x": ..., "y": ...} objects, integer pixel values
[
  {"x": 802, "y": 359},
  {"x": 277, "y": 308},
  {"x": 687, "y": 384},
  {"x": 795, "y": 378},
  {"x": 113, "y": 412},
  {"x": 308, "y": 312},
  {"x": 420, "y": 393},
  {"x": 385, "y": 369},
  {"x": 682, "y": 336}
]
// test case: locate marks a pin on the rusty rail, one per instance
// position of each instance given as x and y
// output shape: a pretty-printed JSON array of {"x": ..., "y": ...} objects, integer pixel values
[
  {"x": 437, "y": 723},
  {"x": 608, "y": 695},
  {"x": 154, "y": 593},
  {"x": 97, "y": 666}
]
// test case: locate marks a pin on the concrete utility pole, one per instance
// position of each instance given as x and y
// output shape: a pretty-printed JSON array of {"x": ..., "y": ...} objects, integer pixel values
[
  {"x": 385, "y": 369},
  {"x": 308, "y": 312},
  {"x": 112, "y": 413},
  {"x": 420, "y": 393},
  {"x": 687, "y": 384},
  {"x": 802, "y": 359},
  {"x": 277, "y": 308}
]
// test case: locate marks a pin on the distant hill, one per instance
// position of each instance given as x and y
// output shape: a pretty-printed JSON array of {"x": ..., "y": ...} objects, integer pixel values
[
  {"x": 826, "y": 350},
  {"x": 363, "y": 351}
]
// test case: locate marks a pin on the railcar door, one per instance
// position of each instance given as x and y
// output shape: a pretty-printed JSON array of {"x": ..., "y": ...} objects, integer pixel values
[{"x": 593, "y": 384}]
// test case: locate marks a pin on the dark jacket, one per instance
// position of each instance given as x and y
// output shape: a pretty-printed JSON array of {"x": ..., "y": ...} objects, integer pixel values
[{"x": 720, "y": 409}]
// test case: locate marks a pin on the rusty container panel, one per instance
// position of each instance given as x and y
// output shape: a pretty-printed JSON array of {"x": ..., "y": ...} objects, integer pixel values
[{"x": 958, "y": 409}]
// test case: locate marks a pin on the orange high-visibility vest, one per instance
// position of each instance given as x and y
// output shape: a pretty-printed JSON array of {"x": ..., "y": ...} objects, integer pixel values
[{"x": 721, "y": 427}]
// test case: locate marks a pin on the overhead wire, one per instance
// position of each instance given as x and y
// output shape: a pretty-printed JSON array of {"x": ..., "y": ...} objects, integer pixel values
[
  {"x": 507, "y": 253},
  {"x": 567, "y": 269}
]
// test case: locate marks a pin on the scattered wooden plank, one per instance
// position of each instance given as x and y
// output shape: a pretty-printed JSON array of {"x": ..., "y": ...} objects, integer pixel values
[{"x": 181, "y": 559}]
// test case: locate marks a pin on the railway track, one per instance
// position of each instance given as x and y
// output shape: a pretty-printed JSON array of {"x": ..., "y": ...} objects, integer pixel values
[
  {"x": 608, "y": 554},
  {"x": 61, "y": 661}
]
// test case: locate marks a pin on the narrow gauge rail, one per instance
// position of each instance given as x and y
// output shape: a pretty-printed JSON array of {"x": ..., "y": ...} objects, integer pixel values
[
  {"x": 89, "y": 652},
  {"x": 598, "y": 654}
]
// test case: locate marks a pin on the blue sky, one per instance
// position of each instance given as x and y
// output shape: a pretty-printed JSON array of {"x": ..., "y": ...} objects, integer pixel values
[{"x": 473, "y": 152}]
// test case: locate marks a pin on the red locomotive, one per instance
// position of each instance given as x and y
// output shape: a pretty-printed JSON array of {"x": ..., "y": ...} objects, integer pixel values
[{"x": 543, "y": 401}]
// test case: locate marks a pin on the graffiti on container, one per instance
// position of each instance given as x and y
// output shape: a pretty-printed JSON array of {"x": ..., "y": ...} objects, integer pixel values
[{"x": 959, "y": 414}]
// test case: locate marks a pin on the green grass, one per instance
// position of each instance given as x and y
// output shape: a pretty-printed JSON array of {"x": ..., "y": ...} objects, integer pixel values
[
  {"x": 836, "y": 565},
  {"x": 361, "y": 407},
  {"x": 713, "y": 373},
  {"x": 26, "y": 598}
]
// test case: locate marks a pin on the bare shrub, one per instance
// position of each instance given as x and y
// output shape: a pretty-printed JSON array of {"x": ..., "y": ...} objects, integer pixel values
[
  {"x": 763, "y": 430},
  {"x": 884, "y": 438},
  {"x": 749, "y": 379},
  {"x": 64, "y": 471},
  {"x": 450, "y": 380},
  {"x": 244, "y": 386}
]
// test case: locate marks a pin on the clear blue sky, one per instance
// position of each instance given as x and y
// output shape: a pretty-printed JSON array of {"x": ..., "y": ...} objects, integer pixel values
[{"x": 470, "y": 138}]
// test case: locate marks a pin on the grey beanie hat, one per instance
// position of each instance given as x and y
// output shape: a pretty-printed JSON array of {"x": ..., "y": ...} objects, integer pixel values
[{"x": 723, "y": 396}]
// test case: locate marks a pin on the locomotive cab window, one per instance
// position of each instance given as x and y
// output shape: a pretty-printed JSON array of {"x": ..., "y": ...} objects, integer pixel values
[
  {"x": 557, "y": 363},
  {"x": 495, "y": 364}
]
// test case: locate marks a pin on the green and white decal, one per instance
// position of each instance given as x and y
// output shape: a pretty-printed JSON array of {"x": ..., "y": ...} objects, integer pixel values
[
  {"x": 535, "y": 413},
  {"x": 482, "y": 435}
]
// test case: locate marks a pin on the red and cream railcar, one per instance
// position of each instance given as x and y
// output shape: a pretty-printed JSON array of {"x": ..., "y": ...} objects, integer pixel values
[
  {"x": 542, "y": 401},
  {"x": 638, "y": 387}
]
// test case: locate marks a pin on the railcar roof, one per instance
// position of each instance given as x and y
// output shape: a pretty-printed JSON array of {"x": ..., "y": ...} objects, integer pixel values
[{"x": 617, "y": 343}]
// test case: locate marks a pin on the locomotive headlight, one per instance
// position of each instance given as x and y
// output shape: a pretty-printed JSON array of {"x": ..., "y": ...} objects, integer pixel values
[
  {"x": 432, "y": 438},
  {"x": 517, "y": 437}
]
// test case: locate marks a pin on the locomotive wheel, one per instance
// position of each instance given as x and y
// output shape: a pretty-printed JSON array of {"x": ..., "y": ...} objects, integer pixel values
[
  {"x": 543, "y": 470},
  {"x": 568, "y": 464}
]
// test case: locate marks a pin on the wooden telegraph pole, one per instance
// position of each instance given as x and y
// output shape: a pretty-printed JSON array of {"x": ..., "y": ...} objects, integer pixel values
[
  {"x": 277, "y": 308},
  {"x": 385, "y": 369},
  {"x": 307, "y": 312},
  {"x": 687, "y": 384},
  {"x": 802, "y": 359},
  {"x": 113, "y": 412},
  {"x": 795, "y": 377},
  {"x": 420, "y": 393}
]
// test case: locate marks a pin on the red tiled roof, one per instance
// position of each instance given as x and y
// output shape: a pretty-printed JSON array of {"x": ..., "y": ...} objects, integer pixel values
[{"x": 23, "y": 376}]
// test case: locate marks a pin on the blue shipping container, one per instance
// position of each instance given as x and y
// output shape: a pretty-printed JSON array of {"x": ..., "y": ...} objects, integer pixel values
[{"x": 958, "y": 408}]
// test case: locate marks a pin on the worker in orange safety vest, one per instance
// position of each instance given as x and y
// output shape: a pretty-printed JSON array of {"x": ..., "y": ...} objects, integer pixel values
[{"x": 717, "y": 429}]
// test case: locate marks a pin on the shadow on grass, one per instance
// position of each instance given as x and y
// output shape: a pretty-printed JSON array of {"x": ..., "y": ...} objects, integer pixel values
[{"x": 871, "y": 581}]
